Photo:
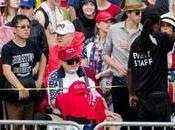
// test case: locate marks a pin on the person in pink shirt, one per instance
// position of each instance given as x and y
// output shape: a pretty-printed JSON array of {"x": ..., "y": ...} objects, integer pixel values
[
  {"x": 104, "y": 5},
  {"x": 5, "y": 31},
  {"x": 6, "y": 34}
]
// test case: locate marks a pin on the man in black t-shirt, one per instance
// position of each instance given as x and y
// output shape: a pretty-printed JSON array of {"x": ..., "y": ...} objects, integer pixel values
[
  {"x": 19, "y": 57},
  {"x": 147, "y": 71}
]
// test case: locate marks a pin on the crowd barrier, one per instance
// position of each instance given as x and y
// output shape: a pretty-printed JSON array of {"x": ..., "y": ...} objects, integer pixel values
[
  {"x": 138, "y": 125},
  {"x": 70, "y": 125},
  {"x": 50, "y": 125}
]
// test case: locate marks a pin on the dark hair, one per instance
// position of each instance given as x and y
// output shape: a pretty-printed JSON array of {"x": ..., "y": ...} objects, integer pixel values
[
  {"x": 150, "y": 18},
  {"x": 18, "y": 18},
  {"x": 83, "y": 2}
]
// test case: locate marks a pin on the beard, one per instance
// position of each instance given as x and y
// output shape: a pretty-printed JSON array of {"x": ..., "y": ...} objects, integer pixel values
[{"x": 74, "y": 70}]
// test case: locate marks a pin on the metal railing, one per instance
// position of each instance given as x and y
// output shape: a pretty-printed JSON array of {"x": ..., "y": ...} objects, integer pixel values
[
  {"x": 70, "y": 125},
  {"x": 139, "y": 125},
  {"x": 36, "y": 124}
]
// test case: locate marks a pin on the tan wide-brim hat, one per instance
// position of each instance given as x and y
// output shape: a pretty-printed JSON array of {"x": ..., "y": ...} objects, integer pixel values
[{"x": 134, "y": 5}]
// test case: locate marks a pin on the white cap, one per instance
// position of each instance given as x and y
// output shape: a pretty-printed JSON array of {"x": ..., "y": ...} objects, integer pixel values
[
  {"x": 168, "y": 18},
  {"x": 65, "y": 27}
]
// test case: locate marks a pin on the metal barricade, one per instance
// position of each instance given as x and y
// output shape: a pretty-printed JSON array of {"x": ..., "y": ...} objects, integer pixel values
[
  {"x": 139, "y": 125},
  {"x": 50, "y": 125}
]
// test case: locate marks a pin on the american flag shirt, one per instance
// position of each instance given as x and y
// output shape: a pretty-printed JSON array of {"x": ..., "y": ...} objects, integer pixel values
[
  {"x": 58, "y": 76},
  {"x": 53, "y": 82}
]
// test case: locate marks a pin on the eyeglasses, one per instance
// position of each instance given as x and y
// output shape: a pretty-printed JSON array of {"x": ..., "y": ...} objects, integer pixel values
[
  {"x": 23, "y": 27},
  {"x": 137, "y": 12},
  {"x": 73, "y": 61}
]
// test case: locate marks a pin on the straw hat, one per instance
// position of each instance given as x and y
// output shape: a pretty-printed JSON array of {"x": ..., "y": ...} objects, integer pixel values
[{"x": 134, "y": 5}]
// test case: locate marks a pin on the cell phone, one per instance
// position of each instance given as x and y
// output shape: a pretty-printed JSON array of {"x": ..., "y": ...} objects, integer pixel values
[{"x": 134, "y": 104}]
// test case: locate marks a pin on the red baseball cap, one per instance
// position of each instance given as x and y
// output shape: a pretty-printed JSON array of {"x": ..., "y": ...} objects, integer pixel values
[
  {"x": 78, "y": 87},
  {"x": 103, "y": 16}
]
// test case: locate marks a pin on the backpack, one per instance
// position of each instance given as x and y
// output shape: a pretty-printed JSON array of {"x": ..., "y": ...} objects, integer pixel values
[
  {"x": 46, "y": 24},
  {"x": 66, "y": 14}
]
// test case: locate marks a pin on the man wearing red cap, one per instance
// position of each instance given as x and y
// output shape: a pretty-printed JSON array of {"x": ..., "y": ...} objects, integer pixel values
[{"x": 63, "y": 77}]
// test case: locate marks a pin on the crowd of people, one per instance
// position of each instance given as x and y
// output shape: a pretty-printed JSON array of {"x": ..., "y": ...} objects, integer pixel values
[{"x": 101, "y": 60}]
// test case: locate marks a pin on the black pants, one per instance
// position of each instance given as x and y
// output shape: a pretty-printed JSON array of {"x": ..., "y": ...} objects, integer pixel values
[
  {"x": 154, "y": 107},
  {"x": 120, "y": 100},
  {"x": 42, "y": 116}
]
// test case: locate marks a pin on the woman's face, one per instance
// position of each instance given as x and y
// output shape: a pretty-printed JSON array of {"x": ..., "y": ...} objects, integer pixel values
[
  {"x": 104, "y": 26},
  {"x": 14, "y": 3},
  {"x": 166, "y": 28},
  {"x": 89, "y": 9}
]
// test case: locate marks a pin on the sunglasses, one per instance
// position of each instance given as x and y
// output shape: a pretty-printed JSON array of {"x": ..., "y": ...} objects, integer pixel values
[
  {"x": 137, "y": 12},
  {"x": 73, "y": 61},
  {"x": 23, "y": 27}
]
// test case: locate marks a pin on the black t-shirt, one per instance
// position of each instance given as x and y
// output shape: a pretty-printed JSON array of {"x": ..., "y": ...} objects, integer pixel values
[
  {"x": 149, "y": 68},
  {"x": 21, "y": 59}
]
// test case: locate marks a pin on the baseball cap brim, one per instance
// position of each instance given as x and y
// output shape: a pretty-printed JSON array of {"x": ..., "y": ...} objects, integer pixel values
[
  {"x": 25, "y": 5},
  {"x": 169, "y": 21},
  {"x": 61, "y": 32}
]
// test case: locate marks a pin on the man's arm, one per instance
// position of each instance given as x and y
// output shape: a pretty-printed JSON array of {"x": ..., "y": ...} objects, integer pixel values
[
  {"x": 130, "y": 83},
  {"x": 132, "y": 97},
  {"x": 120, "y": 68},
  {"x": 107, "y": 52},
  {"x": 14, "y": 81},
  {"x": 42, "y": 65}
]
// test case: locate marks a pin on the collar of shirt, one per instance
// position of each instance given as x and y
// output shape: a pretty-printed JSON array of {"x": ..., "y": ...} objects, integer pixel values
[{"x": 122, "y": 26}]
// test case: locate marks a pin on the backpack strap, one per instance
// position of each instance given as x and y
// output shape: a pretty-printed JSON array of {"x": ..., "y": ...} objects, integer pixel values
[
  {"x": 46, "y": 24},
  {"x": 60, "y": 80},
  {"x": 85, "y": 77}
]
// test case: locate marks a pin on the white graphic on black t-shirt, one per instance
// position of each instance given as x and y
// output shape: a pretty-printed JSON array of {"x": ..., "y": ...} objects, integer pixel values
[
  {"x": 22, "y": 64},
  {"x": 141, "y": 60}
]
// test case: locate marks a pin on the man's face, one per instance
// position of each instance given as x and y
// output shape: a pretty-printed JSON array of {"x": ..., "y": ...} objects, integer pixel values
[
  {"x": 65, "y": 40},
  {"x": 135, "y": 15},
  {"x": 71, "y": 65},
  {"x": 22, "y": 29},
  {"x": 27, "y": 11}
]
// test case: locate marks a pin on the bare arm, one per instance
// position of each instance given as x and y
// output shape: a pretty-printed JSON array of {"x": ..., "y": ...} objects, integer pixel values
[
  {"x": 130, "y": 84},
  {"x": 132, "y": 96},
  {"x": 14, "y": 81},
  {"x": 11, "y": 77},
  {"x": 120, "y": 68},
  {"x": 104, "y": 73},
  {"x": 42, "y": 65}
]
